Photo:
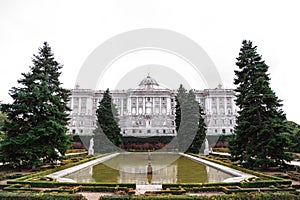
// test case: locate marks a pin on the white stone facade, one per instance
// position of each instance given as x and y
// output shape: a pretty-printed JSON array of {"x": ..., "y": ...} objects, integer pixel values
[{"x": 149, "y": 110}]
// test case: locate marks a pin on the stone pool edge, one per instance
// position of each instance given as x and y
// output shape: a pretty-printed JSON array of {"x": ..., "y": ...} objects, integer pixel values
[
  {"x": 60, "y": 174},
  {"x": 240, "y": 176}
]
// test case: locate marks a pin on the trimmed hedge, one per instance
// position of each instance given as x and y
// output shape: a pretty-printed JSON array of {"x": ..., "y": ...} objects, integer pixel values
[
  {"x": 246, "y": 196},
  {"x": 13, "y": 176},
  {"x": 28, "y": 188},
  {"x": 254, "y": 184},
  {"x": 105, "y": 189},
  {"x": 39, "y": 196},
  {"x": 44, "y": 184}
]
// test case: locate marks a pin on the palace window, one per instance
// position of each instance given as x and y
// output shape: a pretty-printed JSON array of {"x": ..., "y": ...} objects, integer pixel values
[
  {"x": 140, "y": 110},
  {"x": 148, "y": 110},
  {"x": 133, "y": 110}
]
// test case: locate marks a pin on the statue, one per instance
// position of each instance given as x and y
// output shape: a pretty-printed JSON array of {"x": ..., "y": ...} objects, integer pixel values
[
  {"x": 149, "y": 173},
  {"x": 59, "y": 156},
  {"x": 206, "y": 147},
  {"x": 91, "y": 147}
]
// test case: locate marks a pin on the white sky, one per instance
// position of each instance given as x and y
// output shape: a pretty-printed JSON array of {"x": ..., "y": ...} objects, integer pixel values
[{"x": 75, "y": 28}]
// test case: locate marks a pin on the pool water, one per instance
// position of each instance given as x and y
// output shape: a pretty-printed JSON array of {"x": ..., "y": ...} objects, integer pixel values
[{"x": 136, "y": 167}]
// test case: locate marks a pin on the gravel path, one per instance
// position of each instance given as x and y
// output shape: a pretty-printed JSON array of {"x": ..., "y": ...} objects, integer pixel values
[{"x": 94, "y": 195}]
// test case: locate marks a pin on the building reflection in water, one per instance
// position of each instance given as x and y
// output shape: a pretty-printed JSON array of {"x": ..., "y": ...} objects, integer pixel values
[{"x": 132, "y": 168}]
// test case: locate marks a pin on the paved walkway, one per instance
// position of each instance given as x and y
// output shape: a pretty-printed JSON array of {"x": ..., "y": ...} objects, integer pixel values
[
  {"x": 141, "y": 189},
  {"x": 94, "y": 195}
]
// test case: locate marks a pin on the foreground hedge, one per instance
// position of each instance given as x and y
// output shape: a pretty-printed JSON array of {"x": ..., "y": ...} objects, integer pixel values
[
  {"x": 39, "y": 196},
  {"x": 45, "y": 184},
  {"x": 253, "y": 184},
  {"x": 248, "y": 196}
]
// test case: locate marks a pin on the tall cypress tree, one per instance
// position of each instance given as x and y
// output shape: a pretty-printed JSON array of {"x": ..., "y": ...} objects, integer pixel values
[
  {"x": 190, "y": 125},
  {"x": 260, "y": 136},
  {"x": 107, "y": 123},
  {"x": 198, "y": 142},
  {"x": 181, "y": 94},
  {"x": 37, "y": 118}
]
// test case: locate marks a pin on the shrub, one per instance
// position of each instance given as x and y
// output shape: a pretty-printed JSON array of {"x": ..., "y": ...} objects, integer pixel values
[
  {"x": 222, "y": 150},
  {"x": 39, "y": 196}
]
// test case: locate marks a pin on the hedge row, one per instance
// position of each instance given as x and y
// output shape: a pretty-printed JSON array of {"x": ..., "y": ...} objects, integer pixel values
[
  {"x": 44, "y": 184},
  {"x": 39, "y": 196},
  {"x": 28, "y": 188},
  {"x": 225, "y": 189},
  {"x": 253, "y": 184},
  {"x": 246, "y": 196},
  {"x": 4, "y": 176}
]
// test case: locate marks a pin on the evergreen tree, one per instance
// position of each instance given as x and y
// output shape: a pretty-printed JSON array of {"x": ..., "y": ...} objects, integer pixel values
[
  {"x": 107, "y": 123},
  {"x": 294, "y": 137},
  {"x": 260, "y": 137},
  {"x": 190, "y": 124},
  {"x": 3, "y": 117},
  {"x": 37, "y": 118},
  {"x": 181, "y": 93},
  {"x": 198, "y": 142}
]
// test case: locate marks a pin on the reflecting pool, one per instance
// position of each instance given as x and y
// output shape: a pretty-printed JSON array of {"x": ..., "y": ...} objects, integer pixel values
[{"x": 143, "y": 168}]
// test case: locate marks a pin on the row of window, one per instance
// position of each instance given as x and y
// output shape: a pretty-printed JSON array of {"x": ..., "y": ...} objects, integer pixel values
[
  {"x": 149, "y": 110},
  {"x": 224, "y": 131},
  {"x": 149, "y": 131},
  {"x": 221, "y": 111},
  {"x": 222, "y": 122}
]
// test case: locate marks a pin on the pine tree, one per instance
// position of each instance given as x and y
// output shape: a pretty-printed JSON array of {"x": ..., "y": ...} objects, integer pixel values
[
  {"x": 189, "y": 122},
  {"x": 3, "y": 117},
  {"x": 107, "y": 123},
  {"x": 37, "y": 118},
  {"x": 294, "y": 137},
  {"x": 181, "y": 93},
  {"x": 260, "y": 137},
  {"x": 198, "y": 142}
]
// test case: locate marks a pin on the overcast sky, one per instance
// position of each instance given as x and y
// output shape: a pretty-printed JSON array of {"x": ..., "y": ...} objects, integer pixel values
[{"x": 74, "y": 29}]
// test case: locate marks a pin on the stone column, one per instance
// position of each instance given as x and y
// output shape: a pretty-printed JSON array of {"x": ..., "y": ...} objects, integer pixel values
[
  {"x": 153, "y": 105},
  {"x": 129, "y": 105},
  {"x": 137, "y": 105},
  {"x": 159, "y": 105},
  {"x": 121, "y": 109},
  {"x": 168, "y": 106},
  {"x": 144, "y": 105},
  {"x": 225, "y": 105},
  {"x": 79, "y": 105}
]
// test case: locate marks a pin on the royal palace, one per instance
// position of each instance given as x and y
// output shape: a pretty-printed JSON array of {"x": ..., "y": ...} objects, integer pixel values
[{"x": 149, "y": 109}]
